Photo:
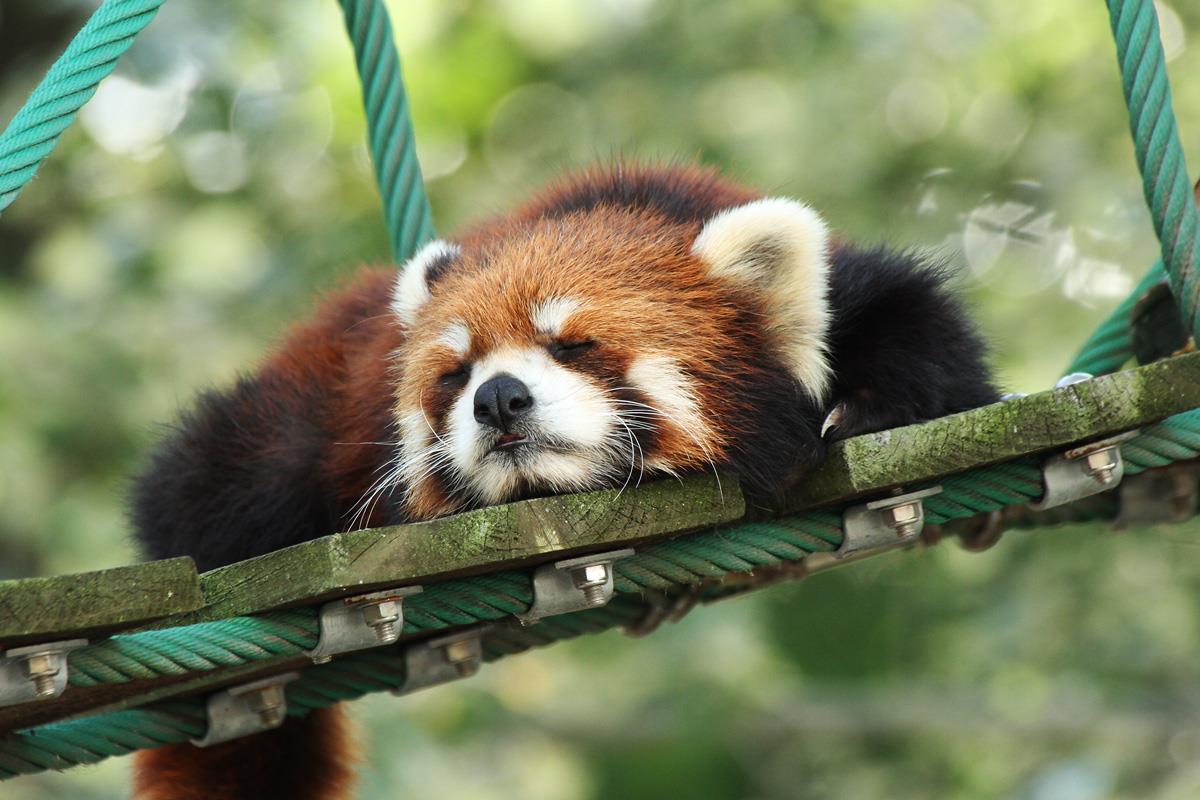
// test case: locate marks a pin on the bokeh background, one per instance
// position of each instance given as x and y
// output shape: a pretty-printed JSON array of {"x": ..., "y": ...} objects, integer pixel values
[{"x": 219, "y": 179}]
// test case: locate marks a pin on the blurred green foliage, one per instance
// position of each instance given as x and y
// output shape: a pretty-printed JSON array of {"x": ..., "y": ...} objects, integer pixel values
[{"x": 219, "y": 179}]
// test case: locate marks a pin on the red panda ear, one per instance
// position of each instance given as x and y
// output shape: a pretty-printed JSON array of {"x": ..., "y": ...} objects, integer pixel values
[
  {"x": 780, "y": 248},
  {"x": 411, "y": 291}
]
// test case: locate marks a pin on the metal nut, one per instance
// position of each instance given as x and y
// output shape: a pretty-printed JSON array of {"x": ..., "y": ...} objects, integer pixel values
[
  {"x": 41, "y": 669},
  {"x": 904, "y": 518},
  {"x": 462, "y": 656},
  {"x": 1101, "y": 464},
  {"x": 383, "y": 618},
  {"x": 591, "y": 580},
  {"x": 269, "y": 703}
]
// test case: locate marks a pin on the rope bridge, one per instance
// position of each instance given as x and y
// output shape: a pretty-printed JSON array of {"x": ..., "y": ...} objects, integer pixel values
[{"x": 151, "y": 645}]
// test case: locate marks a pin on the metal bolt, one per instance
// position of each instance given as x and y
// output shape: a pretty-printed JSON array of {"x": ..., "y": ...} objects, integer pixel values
[
  {"x": 383, "y": 617},
  {"x": 1101, "y": 465},
  {"x": 41, "y": 669},
  {"x": 591, "y": 580},
  {"x": 904, "y": 518},
  {"x": 269, "y": 702},
  {"x": 462, "y": 656}
]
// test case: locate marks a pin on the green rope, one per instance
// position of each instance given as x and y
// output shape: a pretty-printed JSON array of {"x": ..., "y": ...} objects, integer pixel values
[
  {"x": 671, "y": 567},
  {"x": 1111, "y": 346},
  {"x": 393, "y": 146},
  {"x": 70, "y": 82},
  {"x": 89, "y": 740},
  {"x": 35, "y": 130},
  {"x": 193, "y": 648},
  {"x": 663, "y": 566},
  {"x": 1158, "y": 151}
]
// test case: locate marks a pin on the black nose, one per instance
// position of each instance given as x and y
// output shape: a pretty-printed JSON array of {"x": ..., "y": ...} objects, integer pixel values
[{"x": 500, "y": 401}]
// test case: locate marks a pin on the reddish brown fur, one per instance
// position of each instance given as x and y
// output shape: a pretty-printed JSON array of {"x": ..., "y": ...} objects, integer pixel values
[
  {"x": 643, "y": 292},
  {"x": 348, "y": 348},
  {"x": 309, "y": 758},
  {"x": 630, "y": 263}
]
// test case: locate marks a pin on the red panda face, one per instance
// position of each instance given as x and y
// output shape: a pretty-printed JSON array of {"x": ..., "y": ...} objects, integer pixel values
[{"x": 597, "y": 348}]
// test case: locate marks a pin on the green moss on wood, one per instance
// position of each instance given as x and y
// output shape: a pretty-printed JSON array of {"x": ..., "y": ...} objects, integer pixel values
[
  {"x": 478, "y": 541},
  {"x": 1045, "y": 421},
  {"x": 69, "y": 606}
]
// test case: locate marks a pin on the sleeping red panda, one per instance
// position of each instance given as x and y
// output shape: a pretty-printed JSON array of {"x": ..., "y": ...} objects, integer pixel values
[{"x": 630, "y": 322}]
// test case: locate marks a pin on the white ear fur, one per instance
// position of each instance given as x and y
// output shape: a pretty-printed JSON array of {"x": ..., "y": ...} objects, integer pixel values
[
  {"x": 779, "y": 247},
  {"x": 412, "y": 285}
]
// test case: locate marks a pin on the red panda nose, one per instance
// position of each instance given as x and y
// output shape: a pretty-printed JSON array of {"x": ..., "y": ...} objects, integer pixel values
[{"x": 500, "y": 401}]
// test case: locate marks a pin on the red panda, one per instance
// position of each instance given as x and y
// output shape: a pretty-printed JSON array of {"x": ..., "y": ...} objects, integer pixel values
[{"x": 629, "y": 322}]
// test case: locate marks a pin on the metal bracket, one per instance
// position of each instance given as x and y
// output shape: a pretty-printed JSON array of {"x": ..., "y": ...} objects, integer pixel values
[
  {"x": 1159, "y": 496},
  {"x": 242, "y": 710},
  {"x": 876, "y": 527},
  {"x": 1082, "y": 472},
  {"x": 441, "y": 660},
  {"x": 35, "y": 672},
  {"x": 356, "y": 623},
  {"x": 572, "y": 585}
]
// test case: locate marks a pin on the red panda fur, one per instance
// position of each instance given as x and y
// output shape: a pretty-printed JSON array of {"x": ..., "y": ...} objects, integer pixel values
[
  {"x": 291, "y": 452},
  {"x": 310, "y": 758}
]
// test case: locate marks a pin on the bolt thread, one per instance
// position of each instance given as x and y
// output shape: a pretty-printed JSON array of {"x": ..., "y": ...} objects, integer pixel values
[
  {"x": 271, "y": 717},
  {"x": 44, "y": 685},
  {"x": 594, "y": 595},
  {"x": 387, "y": 632}
]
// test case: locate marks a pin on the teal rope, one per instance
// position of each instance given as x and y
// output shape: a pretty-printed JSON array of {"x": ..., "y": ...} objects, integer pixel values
[
  {"x": 193, "y": 648},
  {"x": 1158, "y": 151},
  {"x": 34, "y": 131},
  {"x": 1111, "y": 346},
  {"x": 669, "y": 566},
  {"x": 89, "y": 740},
  {"x": 393, "y": 146}
]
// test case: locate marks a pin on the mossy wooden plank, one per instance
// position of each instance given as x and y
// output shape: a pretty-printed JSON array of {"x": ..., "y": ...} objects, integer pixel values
[
  {"x": 67, "y": 606},
  {"x": 477, "y": 541},
  {"x": 1045, "y": 421}
]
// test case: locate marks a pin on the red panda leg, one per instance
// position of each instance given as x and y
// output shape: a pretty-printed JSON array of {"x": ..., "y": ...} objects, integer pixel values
[{"x": 308, "y": 758}]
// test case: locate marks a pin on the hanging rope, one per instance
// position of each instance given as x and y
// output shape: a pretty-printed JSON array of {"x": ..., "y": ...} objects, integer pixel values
[
  {"x": 1157, "y": 149},
  {"x": 390, "y": 132},
  {"x": 34, "y": 131}
]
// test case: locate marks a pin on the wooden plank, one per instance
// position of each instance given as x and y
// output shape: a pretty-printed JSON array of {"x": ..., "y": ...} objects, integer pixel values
[
  {"x": 90, "y": 603},
  {"x": 486, "y": 540},
  {"x": 1045, "y": 421}
]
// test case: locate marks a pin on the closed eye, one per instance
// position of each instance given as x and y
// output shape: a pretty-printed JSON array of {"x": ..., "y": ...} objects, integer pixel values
[
  {"x": 569, "y": 349},
  {"x": 455, "y": 378}
]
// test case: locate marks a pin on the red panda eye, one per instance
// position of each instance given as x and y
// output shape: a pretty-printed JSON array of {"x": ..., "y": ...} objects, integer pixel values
[
  {"x": 566, "y": 350},
  {"x": 455, "y": 378}
]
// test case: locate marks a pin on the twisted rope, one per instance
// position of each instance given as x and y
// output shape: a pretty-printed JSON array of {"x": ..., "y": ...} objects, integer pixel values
[
  {"x": 1157, "y": 149},
  {"x": 1111, "y": 345},
  {"x": 193, "y": 648},
  {"x": 60, "y": 745},
  {"x": 669, "y": 566},
  {"x": 70, "y": 82},
  {"x": 393, "y": 146}
]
